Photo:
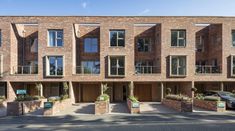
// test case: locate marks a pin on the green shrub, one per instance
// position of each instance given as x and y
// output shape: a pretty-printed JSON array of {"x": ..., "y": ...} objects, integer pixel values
[
  {"x": 63, "y": 97},
  {"x": 168, "y": 91},
  {"x": 199, "y": 96},
  {"x": 133, "y": 99},
  {"x": 212, "y": 98},
  {"x": 178, "y": 97},
  {"x": 53, "y": 99},
  {"x": 103, "y": 97}
]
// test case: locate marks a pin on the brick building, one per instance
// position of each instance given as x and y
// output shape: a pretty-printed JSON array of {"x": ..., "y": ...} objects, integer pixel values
[{"x": 151, "y": 53}]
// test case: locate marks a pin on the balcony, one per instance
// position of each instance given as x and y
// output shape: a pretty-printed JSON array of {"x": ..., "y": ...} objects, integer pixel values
[
  {"x": 147, "y": 70},
  {"x": 23, "y": 70},
  {"x": 207, "y": 69},
  {"x": 87, "y": 70}
]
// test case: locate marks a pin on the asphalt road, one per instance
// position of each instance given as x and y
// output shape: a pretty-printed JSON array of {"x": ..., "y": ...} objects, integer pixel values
[{"x": 147, "y": 122}]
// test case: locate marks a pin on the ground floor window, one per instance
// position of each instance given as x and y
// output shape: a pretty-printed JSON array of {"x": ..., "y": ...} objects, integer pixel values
[{"x": 3, "y": 89}]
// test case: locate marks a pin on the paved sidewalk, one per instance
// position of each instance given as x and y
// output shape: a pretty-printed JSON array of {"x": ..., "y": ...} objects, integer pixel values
[{"x": 154, "y": 107}]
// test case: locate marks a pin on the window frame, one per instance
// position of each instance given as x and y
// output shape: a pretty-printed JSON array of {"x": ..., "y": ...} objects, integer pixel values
[
  {"x": 233, "y": 37},
  {"x": 56, "y": 37},
  {"x": 149, "y": 45},
  {"x": 117, "y": 68},
  {"x": 178, "y": 38},
  {"x": 178, "y": 66},
  {"x": 56, "y": 66},
  {"x": 97, "y": 50},
  {"x": 117, "y": 37},
  {"x": 232, "y": 65}
]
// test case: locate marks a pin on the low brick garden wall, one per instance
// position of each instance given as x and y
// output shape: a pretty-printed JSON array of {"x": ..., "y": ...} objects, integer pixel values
[
  {"x": 181, "y": 106},
  {"x": 210, "y": 105},
  {"x": 132, "y": 108},
  {"x": 17, "y": 108},
  {"x": 101, "y": 107},
  {"x": 57, "y": 107}
]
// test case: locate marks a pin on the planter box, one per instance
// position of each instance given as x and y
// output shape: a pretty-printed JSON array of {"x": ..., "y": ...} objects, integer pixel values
[
  {"x": 57, "y": 107},
  {"x": 218, "y": 106},
  {"x": 101, "y": 107},
  {"x": 181, "y": 106},
  {"x": 22, "y": 107},
  {"x": 134, "y": 107}
]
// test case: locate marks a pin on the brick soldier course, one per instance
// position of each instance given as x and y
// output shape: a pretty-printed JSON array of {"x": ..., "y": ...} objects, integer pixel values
[{"x": 18, "y": 32}]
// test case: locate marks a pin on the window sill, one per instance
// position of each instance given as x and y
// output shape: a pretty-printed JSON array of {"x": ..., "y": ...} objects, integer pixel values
[
  {"x": 55, "y": 76},
  {"x": 178, "y": 76},
  {"x": 119, "y": 76},
  {"x": 178, "y": 46}
]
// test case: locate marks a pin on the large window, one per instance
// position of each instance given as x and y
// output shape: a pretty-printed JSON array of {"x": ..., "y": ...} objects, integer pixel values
[
  {"x": 90, "y": 45},
  {"x": 232, "y": 65},
  {"x": 178, "y": 38},
  {"x": 177, "y": 65},
  {"x": 90, "y": 67},
  {"x": 117, "y": 38},
  {"x": 144, "y": 44},
  {"x": 233, "y": 38},
  {"x": 55, "y": 38},
  {"x": 200, "y": 40},
  {"x": 55, "y": 65},
  {"x": 117, "y": 66}
]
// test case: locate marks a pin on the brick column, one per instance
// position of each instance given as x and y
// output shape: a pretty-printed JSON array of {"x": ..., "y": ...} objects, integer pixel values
[
  {"x": 221, "y": 86},
  {"x": 71, "y": 92},
  {"x": 10, "y": 92},
  {"x": 162, "y": 91}
]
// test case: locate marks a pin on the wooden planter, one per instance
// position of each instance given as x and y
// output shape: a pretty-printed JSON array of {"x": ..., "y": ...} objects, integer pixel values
[
  {"x": 17, "y": 108},
  {"x": 134, "y": 107},
  {"x": 57, "y": 107},
  {"x": 101, "y": 107},
  {"x": 181, "y": 106},
  {"x": 218, "y": 106}
]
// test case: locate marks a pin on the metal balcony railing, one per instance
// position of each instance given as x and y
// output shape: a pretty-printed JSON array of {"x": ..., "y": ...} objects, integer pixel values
[
  {"x": 87, "y": 70},
  {"x": 25, "y": 69},
  {"x": 207, "y": 69},
  {"x": 147, "y": 69}
]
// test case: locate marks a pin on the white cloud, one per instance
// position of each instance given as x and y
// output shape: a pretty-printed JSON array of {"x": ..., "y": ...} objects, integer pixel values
[
  {"x": 84, "y": 5},
  {"x": 144, "y": 11}
]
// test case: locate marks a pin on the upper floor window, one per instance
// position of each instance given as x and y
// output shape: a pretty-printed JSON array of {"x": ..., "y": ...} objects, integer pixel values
[
  {"x": 178, "y": 38},
  {"x": 55, "y": 38},
  {"x": 90, "y": 45},
  {"x": 233, "y": 38},
  {"x": 55, "y": 66},
  {"x": 34, "y": 45},
  {"x": 232, "y": 65},
  {"x": 117, "y": 38},
  {"x": 0, "y": 38},
  {"x": 144, "y": 44},
  {"x": 117, "y": 66},
  {"x": 90, "y": 67},
  {"x": 177, "y": 65}
]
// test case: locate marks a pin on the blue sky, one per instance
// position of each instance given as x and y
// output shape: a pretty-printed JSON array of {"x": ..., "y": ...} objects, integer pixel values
[{"x": 118, "y": 7}]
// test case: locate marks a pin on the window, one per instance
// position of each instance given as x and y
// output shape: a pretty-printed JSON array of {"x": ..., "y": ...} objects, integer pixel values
[
  {"x": 178, "y": 65},
  {"x": 34, "y": 45},
  {"x": 178, "y": 38},
  {"x": 117, "y": 66},
  {"x": 200, "y": 43},
  {"x": 0, "y": 38},
  {"x": 117, "y": 38},
  {"x": 55, "y": 38},
  {"x": 144, "y": 44},
  {"x": 90, "y": 67},
  {"x": 55, "y": 66},
  {"x": 233, "y": 38},
  {"x": 90, "y": 45},
  {"x": 232, "y": 65}
]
